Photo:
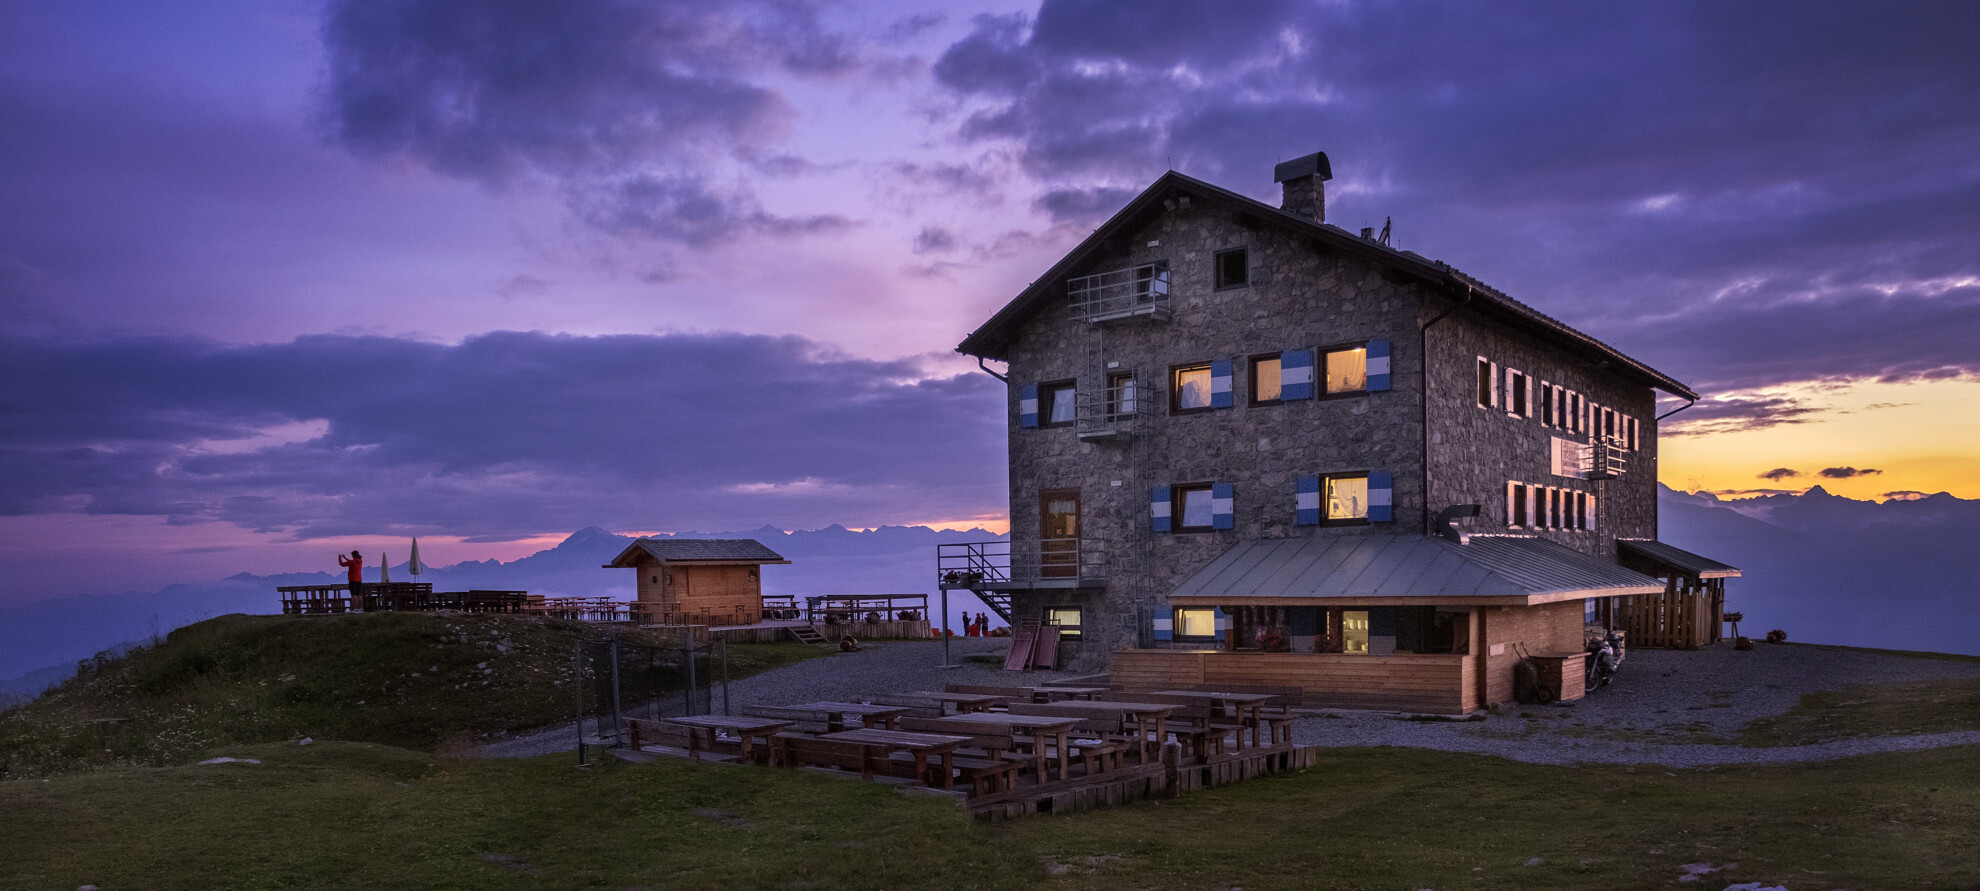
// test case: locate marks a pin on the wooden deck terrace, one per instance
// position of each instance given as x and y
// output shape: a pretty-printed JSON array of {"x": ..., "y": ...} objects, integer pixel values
[
  {"x": 996, "y": 763},
  {"x": 320, "y": 600}
]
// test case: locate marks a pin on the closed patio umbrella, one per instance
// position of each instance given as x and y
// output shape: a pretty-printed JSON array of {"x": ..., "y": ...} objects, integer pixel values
[
  {"x": 413, "y": 564},
  {"x": 384, "y": 569}
]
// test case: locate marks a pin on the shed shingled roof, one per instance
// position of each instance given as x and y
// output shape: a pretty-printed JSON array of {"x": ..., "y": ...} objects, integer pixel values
[
  {"x": 1502, "y": 569},
  {"x": 993, "y": 339},
  {"x": 706, "y": 550},
  {"x": 1684, "y": 561}
]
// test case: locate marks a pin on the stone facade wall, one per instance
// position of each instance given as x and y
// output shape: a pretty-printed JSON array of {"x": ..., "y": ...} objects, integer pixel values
[
  {"x": 1475, "y": 451},
  {"x": 1298, "y": 298}
]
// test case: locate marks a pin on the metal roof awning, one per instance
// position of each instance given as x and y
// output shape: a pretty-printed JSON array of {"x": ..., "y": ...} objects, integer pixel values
[
  {"x": 1495, "y": 570},
  {"x": 1681, "y": 560},
  {"x": 696, "y": 550}
]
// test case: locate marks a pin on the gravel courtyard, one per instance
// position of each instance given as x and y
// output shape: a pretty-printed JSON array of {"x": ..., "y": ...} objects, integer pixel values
[{"x": 1673, "y": 708}]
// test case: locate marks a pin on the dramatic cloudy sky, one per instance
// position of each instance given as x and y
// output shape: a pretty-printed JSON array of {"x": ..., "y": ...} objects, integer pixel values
[{"x": 284, "y": 278}]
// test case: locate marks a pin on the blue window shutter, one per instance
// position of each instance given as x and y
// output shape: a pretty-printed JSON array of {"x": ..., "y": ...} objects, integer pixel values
[
  {"x": 1219, "y": 620},
  {"x": 1223, "y": 513},
  {"x": 1158, "y": 503},
  {"x": 1028, "y": 405},
  {"x": 1378, "y": 365},
  {"x": 1306, "y": 511},
  {"x": 1381, "y": 497},
  {"x": 1296, "y": 374},
  {"x": 1220, "y": 384},
  {"x": 1165, "y": 628}
]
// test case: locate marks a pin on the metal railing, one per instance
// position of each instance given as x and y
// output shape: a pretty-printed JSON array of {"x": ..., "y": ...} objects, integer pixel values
[
  {"x": 981, "y": 565},
  {"x": 1604, "y": 459},
  {"x": 1110, "y": 412},
  {"x": 1137, "y": 291}
]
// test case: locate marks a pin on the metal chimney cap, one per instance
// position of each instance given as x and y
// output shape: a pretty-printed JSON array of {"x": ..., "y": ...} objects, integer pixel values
[{"x": 1312, "y": 165}]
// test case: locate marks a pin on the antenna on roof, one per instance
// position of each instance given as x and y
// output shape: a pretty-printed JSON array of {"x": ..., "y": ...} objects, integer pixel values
[{"x": 1385, "y": 231}]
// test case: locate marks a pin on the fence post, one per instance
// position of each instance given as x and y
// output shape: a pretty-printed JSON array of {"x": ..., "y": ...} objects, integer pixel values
[
  {"x": 577, "y": 684},
  {"x": 617, "y": 725},
  {"x": 725, "y": 675},
  {"x": 687, "y": 654}
]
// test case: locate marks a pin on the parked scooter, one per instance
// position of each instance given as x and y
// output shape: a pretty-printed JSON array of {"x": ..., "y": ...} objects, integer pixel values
[{"x": 1603, "y": 660}]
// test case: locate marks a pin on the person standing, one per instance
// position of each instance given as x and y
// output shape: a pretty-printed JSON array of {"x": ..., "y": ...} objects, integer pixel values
[{"x": 354, "y": 571}]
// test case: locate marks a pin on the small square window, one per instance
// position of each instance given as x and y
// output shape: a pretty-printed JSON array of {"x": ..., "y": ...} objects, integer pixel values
[
  {"x": 1056, "y": 404},
  {"x": 1194, "y": 511},
  {"x": 1195, "y": 622},
  {"x": 1067, "y": 618},
  {"x": 1189, "y": 388},
  {"x": 1345, "y": 499},
  {"x": 1346, "y": 369},
  {"x": 1232, "y": 271},
  {"x": 1266, "y": 386}
]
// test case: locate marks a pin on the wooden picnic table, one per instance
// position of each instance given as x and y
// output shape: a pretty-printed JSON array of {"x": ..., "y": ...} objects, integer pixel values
[
  {"x": 1148, "y": 716},
  {"x": 744, "y": 727},
  {"x": 1007, "y": 724},
  {"x": 835, "y": 713},
  {"x": 1054, "y": 694},
  {"x": 964, "y": 702},
  {"x": 1243, "y": 706},
  {"x": 920, "y": 745}
]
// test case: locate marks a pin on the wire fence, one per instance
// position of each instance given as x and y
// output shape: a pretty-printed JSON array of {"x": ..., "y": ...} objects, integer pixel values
[{"x": 619, "y": 679}]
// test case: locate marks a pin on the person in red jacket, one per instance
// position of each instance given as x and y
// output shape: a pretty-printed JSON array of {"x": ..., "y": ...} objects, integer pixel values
[{"x": 354, "y": 570}]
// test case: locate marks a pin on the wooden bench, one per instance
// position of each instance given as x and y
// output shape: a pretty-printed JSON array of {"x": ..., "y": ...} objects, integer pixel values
[
  {"x": 1199, "y": 729},
  {"x": 804, "y": 750},
  {"x": 1099, "y": 743},
  {"x": 1276, "y": 714},
  {"x": 915, "y": 705},
  {"x": 673, "y": 739},
  {"x": 801, "y": 721}
]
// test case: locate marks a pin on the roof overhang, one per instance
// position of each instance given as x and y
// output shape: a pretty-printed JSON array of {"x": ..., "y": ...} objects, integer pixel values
[
  {"x": 1397, "y": 569},
  {"x": 1665, "y": 556},
  {"x": 993, "y": 339}
]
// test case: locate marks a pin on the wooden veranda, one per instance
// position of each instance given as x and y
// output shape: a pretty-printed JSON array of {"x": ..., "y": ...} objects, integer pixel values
[
  {"x": 1690, "y": 612},
  {"x": 316, "y": 600}
]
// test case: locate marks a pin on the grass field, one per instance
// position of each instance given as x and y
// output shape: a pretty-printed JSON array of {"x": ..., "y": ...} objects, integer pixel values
[
  {"x": 349, "y": 815},
  {"x": 415, "y": 680}
]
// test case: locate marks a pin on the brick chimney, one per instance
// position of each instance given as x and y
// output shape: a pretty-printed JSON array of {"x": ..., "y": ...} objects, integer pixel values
[{"x": 1304, "y": 181}]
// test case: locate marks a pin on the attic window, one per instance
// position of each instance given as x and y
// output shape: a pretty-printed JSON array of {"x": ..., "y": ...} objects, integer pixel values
[{"x": 1232, "y": 271}]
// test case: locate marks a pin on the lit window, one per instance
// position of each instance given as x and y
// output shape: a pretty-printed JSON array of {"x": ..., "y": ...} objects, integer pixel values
[
  {"x": 1193, "y": 507},
  {"x": 1347, "y": 499},
  {"x": 1190, "y": 388},
  {"x": 1354, "y": 631},
  {"x": 1058, "y": 404},
  {"x": 1265, "y": 380},
  {"x": 1346, "y": 369},
  {"x": 1067, "y": 618},
  {"x": 1192, "y": 622},
  {"x": 1231, "y": 269}
]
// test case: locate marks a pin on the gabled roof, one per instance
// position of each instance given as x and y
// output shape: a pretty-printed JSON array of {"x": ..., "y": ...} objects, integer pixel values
[
  {"x": 696, "y": 550},
  {"x": 993, "y": 339},
  {"x": 1683, "y": 561},
  {"x": 1398, "y": 568}
]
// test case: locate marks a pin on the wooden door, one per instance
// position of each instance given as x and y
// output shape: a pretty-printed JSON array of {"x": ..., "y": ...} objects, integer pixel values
[{"x": 1058, "y": 534}]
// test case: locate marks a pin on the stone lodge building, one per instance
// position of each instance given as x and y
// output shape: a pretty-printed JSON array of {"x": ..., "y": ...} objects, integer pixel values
[{"x": 1234, "y": 427}]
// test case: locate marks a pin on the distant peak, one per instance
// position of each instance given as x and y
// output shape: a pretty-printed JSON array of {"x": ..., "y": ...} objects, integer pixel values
[
  {"x": 589, "y": 535},
  {"x": 1816, "y": 492},
  {"x": 767, "y": 529},
  {"x": 835, "y": 528}
]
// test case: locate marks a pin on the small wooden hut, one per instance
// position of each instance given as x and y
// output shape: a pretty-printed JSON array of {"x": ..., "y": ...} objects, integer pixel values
[
  {"x": 1691, "y": 609},
  {"x": 684, "y": 581}
]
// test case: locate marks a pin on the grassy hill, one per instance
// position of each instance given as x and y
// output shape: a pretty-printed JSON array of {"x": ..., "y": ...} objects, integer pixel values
[{"x": 411, "y": 680}]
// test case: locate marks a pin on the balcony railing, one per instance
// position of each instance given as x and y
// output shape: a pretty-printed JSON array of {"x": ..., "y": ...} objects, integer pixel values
[
  {"x": 1137, "y": 292},
  {"x": 1110, "y": 413},
  {"x": 1604, "y": 459},
  {"x": 998, "y": 565}
]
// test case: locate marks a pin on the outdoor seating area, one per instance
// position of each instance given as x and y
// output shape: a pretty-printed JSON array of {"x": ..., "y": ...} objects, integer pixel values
[
  {"x": 321, "y": 600},
  {"x": 1004, "y": 751}
]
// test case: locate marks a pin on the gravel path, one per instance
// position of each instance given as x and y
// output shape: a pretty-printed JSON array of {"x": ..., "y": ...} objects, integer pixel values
[
  {"x": 1669, "y": 707},
  {"x": 883, "y": 666},
  {"x": 1665, "y": 707}
]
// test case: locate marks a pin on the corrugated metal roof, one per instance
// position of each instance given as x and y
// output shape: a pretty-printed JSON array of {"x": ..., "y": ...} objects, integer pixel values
[
  {"x": 1381, "y": 567},
  {"x": 992, "y": 340},
  {"x": 676, "y": 550},
  {"x": 1685, "y": 561}
]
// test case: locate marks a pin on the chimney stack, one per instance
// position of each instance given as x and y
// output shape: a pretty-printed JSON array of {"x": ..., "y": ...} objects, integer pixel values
[{"x": 1304, "y": 182}]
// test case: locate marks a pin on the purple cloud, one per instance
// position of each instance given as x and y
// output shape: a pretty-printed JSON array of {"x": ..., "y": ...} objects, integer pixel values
[
  {"x": 505, "y": 434},
  {"x": 1843, "y": 473},
  {"x": 1780, "y": 473}
]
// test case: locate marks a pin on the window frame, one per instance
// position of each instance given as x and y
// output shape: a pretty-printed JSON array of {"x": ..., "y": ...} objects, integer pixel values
[
  {"x": 1176, "y": 623},
  {"x": 1176, "y": 389},
  {"x": 1178, "y": 507},
  {"x": 1518, "y": 511},
  {"x": 1119, "y": 403},
  {"x": 1251, "y": 377},
  {"x": 1321, "y": 377},
  {"x": 1244, "y": 268},
  {"x": 1075, "y": 631},
  {"x": 1325, "y": 518},
  {"x": 1048, "y": 400}
]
